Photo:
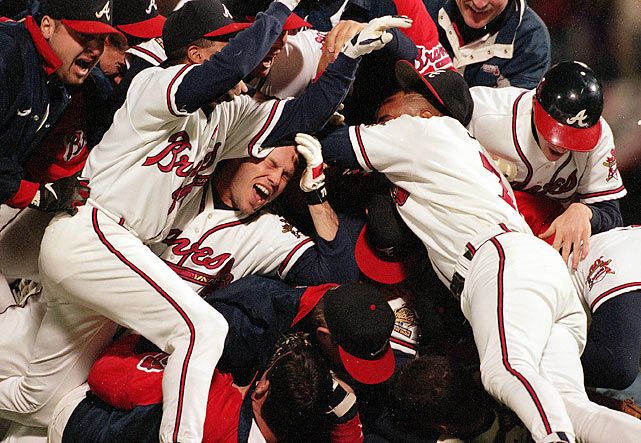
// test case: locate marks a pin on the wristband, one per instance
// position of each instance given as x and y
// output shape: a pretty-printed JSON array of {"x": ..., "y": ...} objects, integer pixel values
[{"x": 317, "y": 196}]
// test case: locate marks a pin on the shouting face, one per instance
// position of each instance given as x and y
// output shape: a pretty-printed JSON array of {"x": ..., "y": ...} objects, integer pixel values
[
  {"x": 79, "y": 53},
  {"x": 248, "y": 184}
]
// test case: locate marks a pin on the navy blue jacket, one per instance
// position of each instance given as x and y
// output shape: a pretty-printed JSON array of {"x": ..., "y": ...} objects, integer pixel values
[
  {"x": 32, "y": 100},
  {"x": 519, "y": 56}
]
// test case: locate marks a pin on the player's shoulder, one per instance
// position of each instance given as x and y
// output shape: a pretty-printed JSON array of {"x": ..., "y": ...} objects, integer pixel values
[{"x": 500, "y": 101}]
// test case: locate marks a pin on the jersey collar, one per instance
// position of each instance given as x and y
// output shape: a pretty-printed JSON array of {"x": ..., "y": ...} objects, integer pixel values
[{"x": 50, "y": 61}]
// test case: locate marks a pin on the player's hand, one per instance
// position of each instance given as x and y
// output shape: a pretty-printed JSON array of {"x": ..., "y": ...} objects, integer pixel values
[
  {"x": 340, "y": 34},
  {"x": 572, "y": 232},
  {"x": 374, "y": 35},
  {"x": 291, "y": 4},
  {"x": 313, "y": 177},
  {"x": 65, "y": 194}
]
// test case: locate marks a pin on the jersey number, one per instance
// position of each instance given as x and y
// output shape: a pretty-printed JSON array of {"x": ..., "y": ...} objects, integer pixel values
[{"x": 505, "y": 195}]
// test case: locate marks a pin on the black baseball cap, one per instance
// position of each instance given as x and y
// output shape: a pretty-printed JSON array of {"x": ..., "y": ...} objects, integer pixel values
[
  {"x": 197, "y": 19},
  {"x": 83, "y": 16},
  {"x": 138, "y": 18},
  {"x": 361, "y": 321},
  {"x": 386, "y": 249},
  {"x": 445, "y": 89}
]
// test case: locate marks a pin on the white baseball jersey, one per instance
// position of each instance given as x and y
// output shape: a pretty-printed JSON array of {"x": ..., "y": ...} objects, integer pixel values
[
  {"x": 502, "y": 123},
  {"x": 209, "y": 246},
  {"x": 295, "y": 66},
  {"x": 169, "y": 151},
  {"x": 455, "y": 196},
  {"x": 529, "y": 327},
  {"x": 611, "y": 267},
  {"x": 152, "y": 51}
]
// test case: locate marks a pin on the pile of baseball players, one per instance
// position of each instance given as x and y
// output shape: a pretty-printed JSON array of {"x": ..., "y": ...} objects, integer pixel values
[{"x": 308, "y": 221}]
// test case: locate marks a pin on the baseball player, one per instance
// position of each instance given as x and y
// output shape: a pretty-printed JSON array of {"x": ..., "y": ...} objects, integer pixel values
[
  {"x": 515, "y": 290},
  {"x": 64, "y": 150},
  {"x": 561, "y": 146},
  {"x": 608, "y": 283},
  {"x": 224, "y": 235},
  {"x": 289, "y": 402},
  {"x": 259, "y": 310},
  {"x": 306, "y": 54},
  {"x": 160, "y": 148}
]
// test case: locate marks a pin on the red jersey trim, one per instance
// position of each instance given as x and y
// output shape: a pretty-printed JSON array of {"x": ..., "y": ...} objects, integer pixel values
[
  {"x": 611, "y": 291},
  {"x": 361, "y": 147},
  {"x": 602, "y": 193},
  {"x": 171, "y": 85},
  {"x": 147, "y": 52},
  {"x": 285, "y": 262},
  {"x": 260, "y": 133},
  {"x": 517, "y": 145}
]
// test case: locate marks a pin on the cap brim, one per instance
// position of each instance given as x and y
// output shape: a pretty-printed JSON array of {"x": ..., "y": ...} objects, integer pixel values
[
  {"x": 231, "y": 28},
  {"x": 565, "y": 136},
  {"x": 408, "y": 77},
  {"x": 90, "y": 27},
  {"x": 369, "y": 372},
  {"x": 374, "y": 267},
  {"x": 295, "y": 22},
  {"x": 151, "y": 28}
]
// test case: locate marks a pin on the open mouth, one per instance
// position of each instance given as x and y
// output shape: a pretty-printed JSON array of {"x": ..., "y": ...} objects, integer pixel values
[
  {"x": 84, "y": 65},
  {"x": 262, "y": 191}
]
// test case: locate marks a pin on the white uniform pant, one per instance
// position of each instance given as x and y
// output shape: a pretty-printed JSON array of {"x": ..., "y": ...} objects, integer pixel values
[
  {"x": 530, "y": 328},
  {"x": 20, "y": 238},
  {"x": 95, "y": 273},
  {"x": 21, "y": 232}
]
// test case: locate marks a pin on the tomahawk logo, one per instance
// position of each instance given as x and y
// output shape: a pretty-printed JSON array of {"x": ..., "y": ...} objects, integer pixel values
[
  {"x": 579, "y": 119},
  {"x": 226, "y": 12},
  {"x": 105, "y": 11},
  {"x": 152, "y": 5}
]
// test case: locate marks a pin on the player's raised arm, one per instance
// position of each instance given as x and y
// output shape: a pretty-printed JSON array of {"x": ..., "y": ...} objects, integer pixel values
[
  {"x": 204, "y": 83},
  {"x": 312, "y": 109}
]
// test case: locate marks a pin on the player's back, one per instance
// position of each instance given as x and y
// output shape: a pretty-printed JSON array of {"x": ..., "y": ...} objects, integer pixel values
[
  {"x": 501, "y": 120},
  {"x": 450, "y": 190}
]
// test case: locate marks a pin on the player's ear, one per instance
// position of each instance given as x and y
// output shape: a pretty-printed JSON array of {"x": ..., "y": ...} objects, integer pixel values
[
  {"x": 47, "y": 27},
  {"x": 194, "y": 55},
  {"x": 426, "y": 113},
  {"x": 323, "y": 334}
]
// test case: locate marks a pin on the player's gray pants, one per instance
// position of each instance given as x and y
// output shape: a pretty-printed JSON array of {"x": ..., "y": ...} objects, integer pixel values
[
  {"x": 95, "y": 273},
  {"x": 529, "y": 328}
]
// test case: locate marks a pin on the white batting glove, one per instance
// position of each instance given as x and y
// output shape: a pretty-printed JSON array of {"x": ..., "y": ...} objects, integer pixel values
[
  {"x": 291, "y": 4},
  {"x": 374, "y": 36},
  {"x": 313, "y": 177}
]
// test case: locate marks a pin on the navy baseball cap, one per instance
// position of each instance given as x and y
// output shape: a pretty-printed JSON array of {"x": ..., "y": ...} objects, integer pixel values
[
  {"x": 83, "y": 16},
  {"x": 197, "y": 19},
  {"x": 361, "y": 321},
  {"x": 445, "y": 89},
  {"x": 138, "y": 18}
]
